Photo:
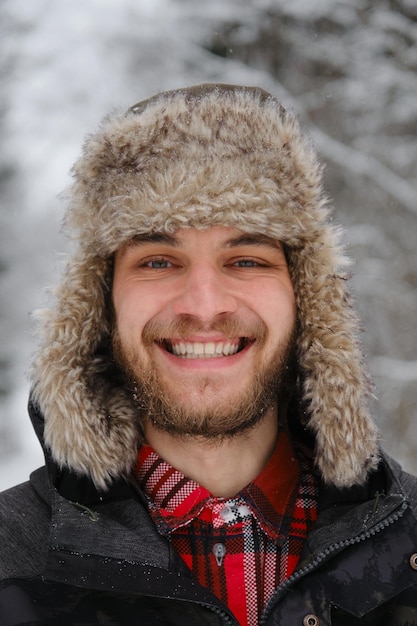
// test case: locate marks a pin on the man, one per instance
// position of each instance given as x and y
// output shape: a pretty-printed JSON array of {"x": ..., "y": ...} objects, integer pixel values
[{"x": 200, "y": 393}]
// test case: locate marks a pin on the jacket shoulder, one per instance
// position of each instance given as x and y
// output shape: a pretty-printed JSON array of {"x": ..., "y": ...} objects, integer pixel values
[
  {"x": 24, "y": 530},
  {"x": 407, "y": 482},
  {"x": 409, "y": 485}
]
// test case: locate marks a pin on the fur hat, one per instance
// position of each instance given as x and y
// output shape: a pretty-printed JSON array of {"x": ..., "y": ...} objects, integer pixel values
[{"x": 198, "y": 157}]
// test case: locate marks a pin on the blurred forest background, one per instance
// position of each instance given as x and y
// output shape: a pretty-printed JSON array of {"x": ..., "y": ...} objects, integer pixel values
[{"x": 347, "y": 67}]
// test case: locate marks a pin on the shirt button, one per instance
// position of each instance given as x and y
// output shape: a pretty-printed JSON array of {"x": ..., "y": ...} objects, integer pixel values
[
  {"x": 226, "y": 514},
  {"x": 219, "y": 550},
  {"x": 311, "y": 620}
]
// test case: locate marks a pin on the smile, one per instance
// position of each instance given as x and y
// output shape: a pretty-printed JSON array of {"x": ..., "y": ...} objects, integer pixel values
[{"x": 206, "y": 350}]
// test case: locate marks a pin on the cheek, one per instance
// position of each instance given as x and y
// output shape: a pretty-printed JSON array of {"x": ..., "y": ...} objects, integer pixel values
[
  {"x": 134, "y": 308},
  {"x": 281, "y": 319},
  {"x": 290, "y": 305},
  {"x": 275, "y": 303}
]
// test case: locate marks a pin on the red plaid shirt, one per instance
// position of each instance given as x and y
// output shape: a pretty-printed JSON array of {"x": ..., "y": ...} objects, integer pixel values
[{"x": 240, "y": 548}]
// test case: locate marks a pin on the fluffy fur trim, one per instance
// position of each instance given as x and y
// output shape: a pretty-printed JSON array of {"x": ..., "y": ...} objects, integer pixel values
[{"x": 198, "y": 157}]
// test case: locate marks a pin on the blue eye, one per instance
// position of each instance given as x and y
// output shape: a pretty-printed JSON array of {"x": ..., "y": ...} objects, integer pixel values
[
  {"x": 158, "y": 264},
  {"x": 246, "y": 263}
]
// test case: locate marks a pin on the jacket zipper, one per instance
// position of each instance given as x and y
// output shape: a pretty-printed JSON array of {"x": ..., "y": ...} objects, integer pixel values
[{"x": 336, "y": 547}]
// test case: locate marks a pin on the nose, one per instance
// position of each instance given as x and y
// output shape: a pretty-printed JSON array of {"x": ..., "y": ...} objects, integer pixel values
[{"x": 205, "y": 294}]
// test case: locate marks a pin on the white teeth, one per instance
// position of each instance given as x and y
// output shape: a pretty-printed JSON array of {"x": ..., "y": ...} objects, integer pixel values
[
  {"x": 219, "y": 348},
  {"x": 199, "y": 350},
  {"x": 210, "y": 348}
]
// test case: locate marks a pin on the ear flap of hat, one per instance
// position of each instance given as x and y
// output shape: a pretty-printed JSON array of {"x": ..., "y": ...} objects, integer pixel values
[
  {"x": 90, "y": 420},
  {"x": 335, "y": 387}
]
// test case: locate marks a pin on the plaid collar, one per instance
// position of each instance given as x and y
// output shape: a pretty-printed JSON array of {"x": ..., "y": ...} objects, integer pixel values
[{"x": 175, "y": 500}]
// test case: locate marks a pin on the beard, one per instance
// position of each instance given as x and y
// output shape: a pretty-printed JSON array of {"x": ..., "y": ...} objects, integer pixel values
[{"x": 158, "y": 403}]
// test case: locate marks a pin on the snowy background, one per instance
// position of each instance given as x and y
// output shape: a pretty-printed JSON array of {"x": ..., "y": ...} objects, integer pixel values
[{"x": 348, "y": 68}]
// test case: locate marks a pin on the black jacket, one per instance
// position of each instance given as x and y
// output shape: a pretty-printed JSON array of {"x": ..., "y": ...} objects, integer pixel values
[{"x": 73, "y": 555}]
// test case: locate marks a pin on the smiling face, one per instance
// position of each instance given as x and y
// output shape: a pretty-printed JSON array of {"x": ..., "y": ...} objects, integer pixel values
[{"x": 204, "y": 326}]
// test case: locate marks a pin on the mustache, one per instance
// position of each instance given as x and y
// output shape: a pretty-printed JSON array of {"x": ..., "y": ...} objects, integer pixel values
[{"x": 185, "y": 326}]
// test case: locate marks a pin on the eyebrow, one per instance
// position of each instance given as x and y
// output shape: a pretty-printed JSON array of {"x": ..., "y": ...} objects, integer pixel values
[
  {"x": 255, "y": 239},
  {"x": 137, "y": 240},
  {"x": 245, "y": 239},
  {"x": 155, "y": 238}
]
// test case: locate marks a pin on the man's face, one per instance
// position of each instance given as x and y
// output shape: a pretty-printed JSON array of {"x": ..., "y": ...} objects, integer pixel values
[{"x": 204, "y": 326}]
